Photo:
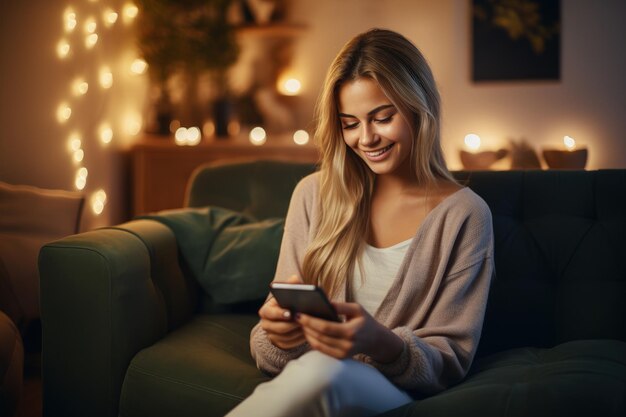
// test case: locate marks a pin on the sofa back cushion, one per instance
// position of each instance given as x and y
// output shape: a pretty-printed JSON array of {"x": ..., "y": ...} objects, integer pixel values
[
  {"x": 29, "y": 218},
  {"x": 560, "y": 248},
  {"x": 560, "y": 252},
  {"x": 259, "y": 189}
]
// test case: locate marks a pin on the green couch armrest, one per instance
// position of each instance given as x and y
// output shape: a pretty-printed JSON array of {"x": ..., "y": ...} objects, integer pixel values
[{"x": 105, "y": 295}]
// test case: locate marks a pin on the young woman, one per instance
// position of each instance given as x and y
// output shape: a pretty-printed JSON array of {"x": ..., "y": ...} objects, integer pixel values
[{"x": 404, "y": 252}]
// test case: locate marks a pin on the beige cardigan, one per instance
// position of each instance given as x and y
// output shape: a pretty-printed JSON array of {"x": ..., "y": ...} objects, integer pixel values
[{"x": 436, "y": 303}]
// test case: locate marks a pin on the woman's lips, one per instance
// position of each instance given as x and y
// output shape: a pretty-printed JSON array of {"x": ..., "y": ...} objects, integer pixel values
[{"x": 379, "y": 154}]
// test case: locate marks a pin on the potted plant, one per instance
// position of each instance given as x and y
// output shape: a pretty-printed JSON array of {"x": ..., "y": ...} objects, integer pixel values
[{"x": 191, "y": 37}]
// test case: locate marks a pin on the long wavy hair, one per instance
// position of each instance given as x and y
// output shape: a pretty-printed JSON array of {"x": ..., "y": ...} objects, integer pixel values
[{"x": 346, "y": 183}]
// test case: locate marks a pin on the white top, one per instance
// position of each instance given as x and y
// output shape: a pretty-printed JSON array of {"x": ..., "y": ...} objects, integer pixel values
[{"x": 374, "y": 273}]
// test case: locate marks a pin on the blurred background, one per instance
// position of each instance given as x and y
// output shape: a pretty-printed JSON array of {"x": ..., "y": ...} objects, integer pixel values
[{"x": 89, "y": 89}]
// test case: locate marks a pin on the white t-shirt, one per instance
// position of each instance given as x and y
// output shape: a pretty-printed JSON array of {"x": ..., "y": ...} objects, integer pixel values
[{"x": 374, "y": 273}]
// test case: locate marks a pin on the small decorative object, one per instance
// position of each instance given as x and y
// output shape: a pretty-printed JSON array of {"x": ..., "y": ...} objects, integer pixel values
[
  {"x": 523, "y": 156},
  {"x": 569, "y": 158},
  {"x": 262, "y": 10},
  {"x": 475, "y": 160}
]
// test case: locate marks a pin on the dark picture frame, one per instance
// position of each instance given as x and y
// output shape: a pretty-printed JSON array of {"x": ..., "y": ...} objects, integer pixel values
[{"x": 516, "y": 40}]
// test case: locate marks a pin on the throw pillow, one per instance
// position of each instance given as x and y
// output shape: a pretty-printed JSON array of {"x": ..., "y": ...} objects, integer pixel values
[{"x": 232, "y": 256}]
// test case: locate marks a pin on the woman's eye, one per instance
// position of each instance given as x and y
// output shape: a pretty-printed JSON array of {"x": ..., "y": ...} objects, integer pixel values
[
  {"x": 350, "y": 126},
  {"x": 384, "y": 120}
]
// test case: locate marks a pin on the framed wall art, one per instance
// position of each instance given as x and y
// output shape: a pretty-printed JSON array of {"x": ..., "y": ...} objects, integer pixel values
[{"x": 516, "y": 40}]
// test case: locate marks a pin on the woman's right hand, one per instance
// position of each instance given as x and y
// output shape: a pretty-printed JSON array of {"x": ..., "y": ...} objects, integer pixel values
[{"x": 281, "y": 329}]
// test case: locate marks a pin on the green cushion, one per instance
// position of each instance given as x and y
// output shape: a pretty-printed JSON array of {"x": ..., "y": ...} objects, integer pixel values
[
  {"x": 202, "y": 369},
  {"x": 232, "y": 256},
  {"x": 580, "y": 378}
]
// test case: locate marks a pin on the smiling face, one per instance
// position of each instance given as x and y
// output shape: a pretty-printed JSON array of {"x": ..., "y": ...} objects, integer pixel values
[{"x": 374, "y": 128}]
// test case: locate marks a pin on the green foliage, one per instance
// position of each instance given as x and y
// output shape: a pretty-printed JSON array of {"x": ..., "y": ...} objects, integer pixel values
[
  {"x": 190, "y": 34},
  {"x": 521, "y": 19}
]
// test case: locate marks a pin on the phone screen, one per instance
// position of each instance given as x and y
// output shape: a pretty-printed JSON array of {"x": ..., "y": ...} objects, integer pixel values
[{"x": 304, "y": 298}]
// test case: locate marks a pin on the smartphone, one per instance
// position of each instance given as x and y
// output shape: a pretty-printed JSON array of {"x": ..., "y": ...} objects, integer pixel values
[{"x": 304, "y": 298}]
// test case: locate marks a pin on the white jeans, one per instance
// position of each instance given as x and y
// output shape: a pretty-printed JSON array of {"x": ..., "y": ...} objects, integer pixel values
[{"x": 318, "y": 385}]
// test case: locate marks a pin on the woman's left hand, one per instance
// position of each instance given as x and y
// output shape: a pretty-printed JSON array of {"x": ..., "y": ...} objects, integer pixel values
[{"x": 360, "y": 333}]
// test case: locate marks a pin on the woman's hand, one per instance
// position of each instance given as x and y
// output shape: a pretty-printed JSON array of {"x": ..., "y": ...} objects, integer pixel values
[
  {"x": 360, "y": 333},
  {"x": 282, "y": 330}
]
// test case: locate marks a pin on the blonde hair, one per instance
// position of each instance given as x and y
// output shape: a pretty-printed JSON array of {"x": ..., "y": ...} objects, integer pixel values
[{"x": 346, "y": 183}]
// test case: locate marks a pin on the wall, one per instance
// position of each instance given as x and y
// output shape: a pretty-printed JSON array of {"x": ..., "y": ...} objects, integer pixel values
[
  {"x": 34, "y": 81},
  {"x": 587, "y": 103}
]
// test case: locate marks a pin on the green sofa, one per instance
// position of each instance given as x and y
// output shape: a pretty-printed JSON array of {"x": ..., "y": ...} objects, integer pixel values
[{"x": 129, "y": 330}]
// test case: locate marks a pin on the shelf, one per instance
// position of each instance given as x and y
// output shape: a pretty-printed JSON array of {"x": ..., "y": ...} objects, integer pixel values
[
  {"x": 271, "y": 30},
  {"x": 161, "y": 169}
]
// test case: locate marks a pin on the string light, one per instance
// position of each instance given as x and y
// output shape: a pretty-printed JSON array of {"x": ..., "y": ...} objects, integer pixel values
[
  {"x": 90, "y": 25},
  {"x": 109, "y": 17},
  {"x": 98, "y": 200},
  {"x": 129, "y": 12},
  {"x": 132, "y": 122},
  {"x": 63, "y": 49},
  {"x": 138, "y": 66},
  {"x": 69, "y": 20},
  {"x": 81, "y": 178},
  {"x": 106, "y": 133},
  {"x": 64, "y": 112},
  {"x": 79, "y": 154},
  {"x": 106, "y": 77},
  {"x": 80, "y": 87},
  {"x": 74, "y": 143},
  {"x": 91, "y": 40}
]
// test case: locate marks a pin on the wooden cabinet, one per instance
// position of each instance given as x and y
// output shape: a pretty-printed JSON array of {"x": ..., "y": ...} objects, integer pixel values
[{"x": 161, "y": 168}]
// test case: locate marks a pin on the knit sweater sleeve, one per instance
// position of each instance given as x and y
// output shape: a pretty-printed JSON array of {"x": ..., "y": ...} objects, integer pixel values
[
  {"x": 442, "y": 334},
  {"x": 296, "y": 237}
]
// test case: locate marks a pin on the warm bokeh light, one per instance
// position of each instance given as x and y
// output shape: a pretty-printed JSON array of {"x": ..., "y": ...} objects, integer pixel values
[
  {"x": 80, "y": 182},
  {"x": 74, "y": 143},
  {"x": 132, "y": 124},
  {"x": 208, "y": 128},
  {"x": 63, "y": 49},
  {"x": 138, "y": 66},
  {"x": 91, "y": 40},
  {"x": 69, "y": 20},
  {"x": 106, "y": 77},
  {"x": 80, "y": 87},
  {"x": 64, "y": 112},
  {"x": 569, "y": 143},
  {"x": 301, "y": 137},
  {"x": 106, "y": 133},
  {"x": 98, "y": 200},
  {"x": 258, "y": 136},
  {"x": 289, "y": 86},
  {"x": 472, "y": 141},
  {"x": 90, "y": 25},
  {"x": 81, "y": 178},
  {"x": 109, "y": 17},
  {"x": 187, "y": 136},
  {"x": 129, "y": 11},
  {"x": 79, "y": 154}
]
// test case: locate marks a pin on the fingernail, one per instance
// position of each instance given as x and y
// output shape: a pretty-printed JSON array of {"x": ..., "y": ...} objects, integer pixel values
[{"x": 286, "y": 314}]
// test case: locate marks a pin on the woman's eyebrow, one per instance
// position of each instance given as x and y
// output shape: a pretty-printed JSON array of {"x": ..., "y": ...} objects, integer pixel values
[{"x": 371, "y": 112}]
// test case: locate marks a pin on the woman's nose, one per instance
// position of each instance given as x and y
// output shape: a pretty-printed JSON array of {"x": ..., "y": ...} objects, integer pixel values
[{"x": 368, "y": 136}]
